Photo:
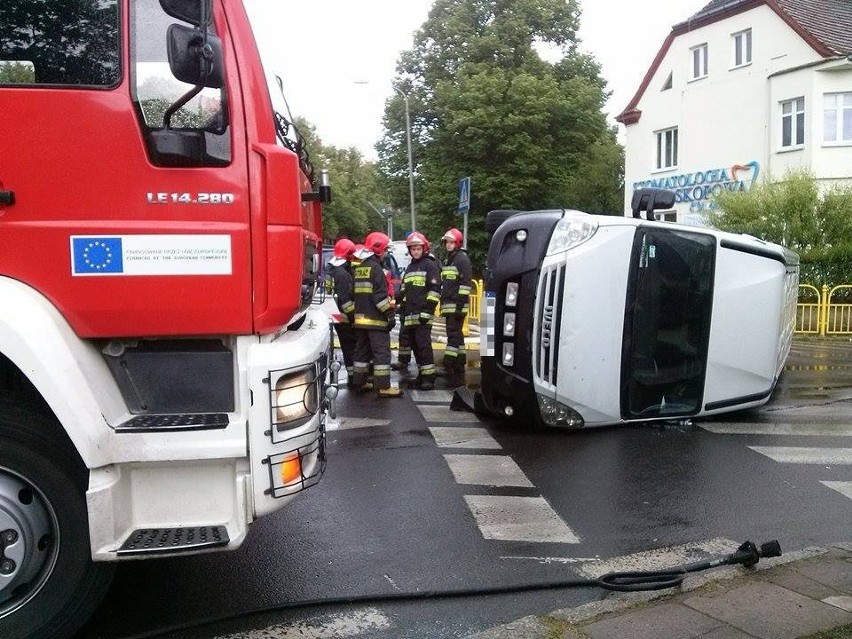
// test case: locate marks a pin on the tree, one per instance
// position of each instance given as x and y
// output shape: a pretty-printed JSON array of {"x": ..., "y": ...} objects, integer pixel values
[
  {"x": 795, "y": 212},
  {"x": 354, "y": 187},
  {"x": 16, "y": 73},
  {"x": 484, "y": 104}
]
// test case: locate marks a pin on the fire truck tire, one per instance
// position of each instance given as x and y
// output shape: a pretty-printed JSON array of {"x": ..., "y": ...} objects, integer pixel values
[{"x": 49, "y": 585}]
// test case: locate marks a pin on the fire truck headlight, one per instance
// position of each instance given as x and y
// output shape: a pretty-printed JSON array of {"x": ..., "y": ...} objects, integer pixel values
[
  {"x": 296, "y": 399},
  {"x": 508, "y": 354},
  {"x": 512, "y": 294},
  {"x": 509, "y": 324},
  {"x": 571, "y": 231}
]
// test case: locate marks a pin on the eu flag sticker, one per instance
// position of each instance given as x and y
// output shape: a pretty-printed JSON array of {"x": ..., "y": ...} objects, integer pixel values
[{"x": 96, "y": 256}]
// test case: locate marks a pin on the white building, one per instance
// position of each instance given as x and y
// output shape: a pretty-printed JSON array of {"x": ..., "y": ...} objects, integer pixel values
[{"x": 743, "y": 89}]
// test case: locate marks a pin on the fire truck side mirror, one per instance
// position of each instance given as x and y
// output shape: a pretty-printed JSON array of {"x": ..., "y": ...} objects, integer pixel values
[
  {"x": 193, "y": 61},
  {"x": 186, "y": 10}
]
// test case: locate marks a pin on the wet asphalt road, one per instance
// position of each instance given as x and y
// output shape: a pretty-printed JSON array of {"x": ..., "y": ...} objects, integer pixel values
[{"x": 389, "y": 517}]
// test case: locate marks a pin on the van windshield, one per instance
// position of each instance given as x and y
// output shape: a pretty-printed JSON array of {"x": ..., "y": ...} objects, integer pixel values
[{"x": 667, "y": 323}]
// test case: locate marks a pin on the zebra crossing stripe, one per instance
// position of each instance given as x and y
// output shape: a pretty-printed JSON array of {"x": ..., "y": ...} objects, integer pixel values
[
  {"x": 432, "y": 396},
  {"x": 802, "y": 455},
  {"x": 529, "y": 519},
  {"x": 843, "y": 487},
  {"x": 461, "y": 437},
  {"x": 810, "y": 429},
  {"x": 487, "y": 470},
  {"x": 443, "y": 414}
]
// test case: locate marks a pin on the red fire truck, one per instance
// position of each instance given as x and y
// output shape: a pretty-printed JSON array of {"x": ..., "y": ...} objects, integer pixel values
[{"x": 164, "y": 379}]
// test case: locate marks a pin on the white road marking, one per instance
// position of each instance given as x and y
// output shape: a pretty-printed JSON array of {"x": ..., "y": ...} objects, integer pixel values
[
  {"x": 831, "y": 430},
  {"x": 843, "y": 487},
  {"x": 347, "y": 423},
  {"x": 461, "y": 437},
  {"x": 528, "y": 519},
  {"x": 443, "y": 414},
  {"x": 487, "y": 470},
  {"x": 802, "y": 455},
  {"x": 432, "y": 396},
  {"x": 843, "y": 602},
  {"x": 668, "y": 557},
  {"x": 337, "y": 626},
  {"x": 554, "y": 560}
]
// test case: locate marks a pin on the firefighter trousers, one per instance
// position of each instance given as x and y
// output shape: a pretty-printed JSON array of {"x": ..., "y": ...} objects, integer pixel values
[
  {"x": 421, "y": 339},
  {"x": 403, "y": 354},
  {"x": 372, "y": 346},
  {"x": 347, "y": 339},
  {"x": 455, "y": 357}
]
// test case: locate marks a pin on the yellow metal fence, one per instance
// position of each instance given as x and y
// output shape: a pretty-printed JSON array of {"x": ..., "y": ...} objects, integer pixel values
[{"x": 824, "y": 311}]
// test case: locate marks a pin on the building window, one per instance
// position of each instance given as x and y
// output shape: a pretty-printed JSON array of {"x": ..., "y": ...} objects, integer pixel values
[
  {"x": 792, "y": 123},
  {"x": 742, "y": 48},
  {"x": 698, "y": 57},
  {"x": 666, "y": 148},
  {"x": 837, "y": 117}
]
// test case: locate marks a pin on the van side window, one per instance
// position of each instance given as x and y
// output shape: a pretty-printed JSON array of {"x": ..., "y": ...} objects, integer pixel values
[
  {"x": 60, "y": 43},
  {"x": 155, "y": 89}
]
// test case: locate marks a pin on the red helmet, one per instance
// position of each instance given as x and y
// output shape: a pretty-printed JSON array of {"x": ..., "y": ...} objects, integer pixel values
[
  {"x": 377, "y": 242},
  {"x": 344, "y": 248},
  {"x": 417, "y": 239},
  {"x": 454, "y": 235}
]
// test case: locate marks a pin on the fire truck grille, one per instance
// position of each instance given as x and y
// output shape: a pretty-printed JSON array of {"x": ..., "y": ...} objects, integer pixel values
[{"x": 549, "y": 314}]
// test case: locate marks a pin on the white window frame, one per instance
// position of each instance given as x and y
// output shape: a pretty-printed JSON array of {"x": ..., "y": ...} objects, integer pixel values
[
  {"x": 667, "y": 148},
  {"x": 796, "y": 116},
  {"x": 698, "y": 62},
  {"x": 742, "y": 48},
  {"x": 841, "y": 110}
]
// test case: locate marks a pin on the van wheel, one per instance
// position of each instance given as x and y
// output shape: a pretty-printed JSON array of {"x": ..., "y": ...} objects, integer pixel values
[
  {"x": 49, "y": 585},
  {"x": 495, "y": 218}
]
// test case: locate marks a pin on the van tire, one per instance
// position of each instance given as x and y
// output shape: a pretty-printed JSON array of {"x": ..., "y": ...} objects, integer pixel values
[{"x": 495, "y": 218}]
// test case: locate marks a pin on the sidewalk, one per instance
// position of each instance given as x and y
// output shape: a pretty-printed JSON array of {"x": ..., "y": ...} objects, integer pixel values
[{"x": 800, "y": 594}]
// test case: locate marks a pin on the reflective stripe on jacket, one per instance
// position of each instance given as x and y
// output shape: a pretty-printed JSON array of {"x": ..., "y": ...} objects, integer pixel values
[
  {"x": 420, "y": 290},
  {"x": 455, "y": 283},
  {"x": 372, "y": 303}
]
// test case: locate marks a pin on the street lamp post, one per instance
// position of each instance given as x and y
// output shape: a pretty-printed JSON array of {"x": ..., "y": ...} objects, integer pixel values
[{"x": 410, "y": 161}]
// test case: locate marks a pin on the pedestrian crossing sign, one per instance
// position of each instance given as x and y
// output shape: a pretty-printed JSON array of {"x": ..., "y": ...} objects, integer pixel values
[{"x": 464, "y": 195}]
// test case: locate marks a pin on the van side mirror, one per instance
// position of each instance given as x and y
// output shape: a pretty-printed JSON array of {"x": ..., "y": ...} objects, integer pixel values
[
  {"x": 193, "y": 61},
  {"x": 650, "y": 199},
  {"x": 186, "y": 10}
]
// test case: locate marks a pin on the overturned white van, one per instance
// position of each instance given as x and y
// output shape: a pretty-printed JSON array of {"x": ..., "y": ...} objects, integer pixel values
[{"x": 594, "y": 320}]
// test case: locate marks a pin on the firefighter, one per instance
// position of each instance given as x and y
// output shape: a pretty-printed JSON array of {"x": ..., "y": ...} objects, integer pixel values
[
  {"x": 374, "y": 318},
  {"x": 421, "y": 286},
  {"x": 340, "y": 271},
  {"x": 455, "y": 300}
]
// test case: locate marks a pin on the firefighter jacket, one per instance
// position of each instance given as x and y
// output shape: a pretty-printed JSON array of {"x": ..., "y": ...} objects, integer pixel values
[
  {"x": 421, "y": 286},
  {"x": 341, "y": 276},
  {"x": 373, "y": 308},
  {"x": 455, "y": 283}
]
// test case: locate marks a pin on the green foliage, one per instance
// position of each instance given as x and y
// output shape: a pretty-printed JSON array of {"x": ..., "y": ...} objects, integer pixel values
[
  {"x": 17, "y": 73},
  {"x": 796, "y": 213},
  {"x": 484, "y": 104},
  {"x": 354, "y": 186}
]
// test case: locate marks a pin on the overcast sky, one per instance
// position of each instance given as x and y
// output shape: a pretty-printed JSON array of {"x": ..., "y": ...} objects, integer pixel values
[{"x": 337, "y": 57}]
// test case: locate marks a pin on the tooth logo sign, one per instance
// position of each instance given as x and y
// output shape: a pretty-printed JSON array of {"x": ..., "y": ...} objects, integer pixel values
[{"x": 752, "y": 167}]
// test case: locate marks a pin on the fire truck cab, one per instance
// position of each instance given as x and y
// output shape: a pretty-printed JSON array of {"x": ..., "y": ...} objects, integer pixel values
[{"x": 163, "y": 374}]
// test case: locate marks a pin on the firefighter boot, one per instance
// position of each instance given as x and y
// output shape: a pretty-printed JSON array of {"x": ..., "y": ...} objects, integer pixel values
[
  {"x": 401, "y": 364},
  {"x": 389, "y": 392},
  {"x": 427, "y": 382}
]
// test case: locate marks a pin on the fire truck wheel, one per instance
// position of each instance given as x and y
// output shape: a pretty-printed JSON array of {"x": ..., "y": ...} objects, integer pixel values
[{"x": 49, "y": 585}]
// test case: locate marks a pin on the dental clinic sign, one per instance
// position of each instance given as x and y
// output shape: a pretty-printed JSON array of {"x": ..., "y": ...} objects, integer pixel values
[{"x": 698, "y": 189}]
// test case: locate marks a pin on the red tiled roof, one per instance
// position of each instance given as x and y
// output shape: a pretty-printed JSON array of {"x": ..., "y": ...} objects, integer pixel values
[{"x": 826, "y": 25}]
